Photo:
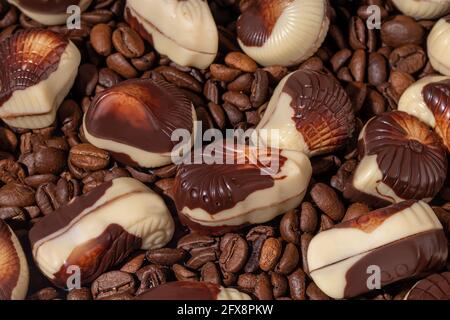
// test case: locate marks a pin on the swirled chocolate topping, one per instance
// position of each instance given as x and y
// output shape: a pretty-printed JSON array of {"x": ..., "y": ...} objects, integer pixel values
[
  {"x": 182, "y": 290},
  {"x": 47, "y": 6}
]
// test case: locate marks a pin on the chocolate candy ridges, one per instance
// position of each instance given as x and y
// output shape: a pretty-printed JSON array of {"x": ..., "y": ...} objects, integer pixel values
[
  {"x": 401, "y": 241},
  {"x": 99, "y": 229},
  {"x": 433, "y": 287}
]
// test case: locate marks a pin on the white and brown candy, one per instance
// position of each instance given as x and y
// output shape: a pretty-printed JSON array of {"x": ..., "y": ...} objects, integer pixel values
[
  {"x": 308, "y": 112},
  {"x": 135, "y": 119},
  {"x": 38, "y": 69},
  {"x": 215, "y": 198},
  {"x": 437, "y": 46},
  {"x": 402, "y": 241},
  {"x": 423, "y": 9},
  {"x": 99, "y": 229},
  {"x": 185, "y": 31},
  {"x": 49, "y": 12},
  {"x": 14, "y": 275},
  {"x": 282, "y": 32},
  {"x": 192, "y": 290},
  {"x": 401, "y": 158}
]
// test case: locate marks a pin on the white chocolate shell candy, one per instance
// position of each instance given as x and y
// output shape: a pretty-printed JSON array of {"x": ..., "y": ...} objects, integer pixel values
[
  {"x": 38, "y": 69},
  {"x": 135, "y": 120},
  {"x": 402, "y": 241},
  {"x": 282, "y": 32},
  {"x": 192, "y": 290},
  {"x": 429, "y": 100},
  {"x": 438, "y": 46},
  {"x": 99, "y": 229},
  {"x": 309, "y": 112},
  {"x": 423, "y": 9},
  {"x": 401, "y": 159},
  {"x": 222, "y": 194},
  {"x": 14, "y": 276},
  {"x": 185, "y": 30},
  {"x": 49, "y": 12}
]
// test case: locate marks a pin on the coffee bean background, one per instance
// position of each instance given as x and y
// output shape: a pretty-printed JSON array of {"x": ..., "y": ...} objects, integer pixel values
[{"x": 42, "y": 170}]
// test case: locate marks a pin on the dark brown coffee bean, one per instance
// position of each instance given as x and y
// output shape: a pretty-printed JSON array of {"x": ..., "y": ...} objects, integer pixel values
[
  {"x": 340, "y": 58},
  {"x": 260, "y": 88},
  {"x": 36, "y": 180},
  {"x": 247, "y": 281},
  {"x": 279, "y": 283},
  {"x": 101, "y": 39},
  {"x": 112, "y": 283},
  {"x": 9, "y": 18},
  {"x": 252, "y": 117},
  {"x": 357, "y": 65},
  {"x": 128, "y": 42},
  {"x": 217, "y": 114},
  {"x": 308, "y": 218},
  {"x": 240, "y": 100},
  {"x": 376, "y": 71},
  {"x": 325, "y": 223},
  {"x": 233, "y": 114},
  {"x": 12, "y": 213},
  {"x": 79, "y": 294},
  {"x": 45, "y": 294},
  {"x": 375, "y": 102},
  {"x": 313, "y": 63},
  {"x": 276, "y": 73},
  {"x": 211, "y": 91},
  {"x": 145, "y": 62},
  {"x": 193, "y": 241},
  {"x": 290, "y": 227},
  {"x": 344, "y": 74},
  {"x": 119, "y": 64},
  {"x": 297, "y": 285},
  {"x": 150, "y": 276},
  {"x": 11, "y": 171},
  {"x": 46, "y": 198},
  {"x": 69, "y": 115},
  {"x": 223, "y": 73},
  {"x": 304, "y": 244},
  {"x": 165, "y": 256},
  {"x": 357, "y": 33},
  {"x": 407, "y": 58},
  {"x": 270, "y": 254},
  {"x": 336, "y": 34},
  {"x": 328, "y": 201},
  {"x": 205, "y": 118},
  {"x": 45, "y": 160},
  {"x": 182, "y": 273},
  {"x": 86, "y": 80},
  {"x": 200, "y": 256},
  {"x": 234, "y": 253},
  {"x": 97, "y": 16},
  {"x": 243, "y": 83},
  {"x": 210, "y": 273},
  {"x": 355, "y": 210},
  {"x": 108, "y": 78},
  {"x": 289, "y": 260},
  {"x": 314, "y": 293},
  {"x": 88, "y": 157},
  {"x": 357, "y": 92},
  {"x": 133, "y": 264},
  {"x": 240, "y": 61},
  {"x": 401, "y": 30},
  {"x": 16, "y": 195},
  {"x": 263, "y": 287},
  {"x": 180, "y": 79},
  {"x": 8, "y": 140}
]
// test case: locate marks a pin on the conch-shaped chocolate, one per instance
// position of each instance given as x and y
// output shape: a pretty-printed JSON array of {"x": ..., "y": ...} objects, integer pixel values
[
  {"x": 239, "y": 185},
  {"x": 282, "y": 32},
  {"x": 49, "y": 12},
  {"x": 309, "y": 112},
  {"x": 135, "y": 119},
  {"x": 402, "y": 241},
  {"x": 99, "y": 229},
  {"x": 14, "y": 275},
  {"x": 38, "y": 69},
  {"x": 401, "y": 159},
  {"x": 185, "y": 30}
]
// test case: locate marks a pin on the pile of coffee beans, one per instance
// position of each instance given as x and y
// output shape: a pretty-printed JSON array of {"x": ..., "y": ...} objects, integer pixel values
[{"x": 42, "y": 170}]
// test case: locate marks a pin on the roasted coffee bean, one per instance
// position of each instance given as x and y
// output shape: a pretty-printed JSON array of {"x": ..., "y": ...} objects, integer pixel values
[
  {"x": 217, "y": 114},
  {"x": 376, "y": 71},
  {"x": 112, "y": 283},
  {"x": 45, "y": 160},
  {"x": 145, "y": 62},
  {"x": 344, "y": 74},
  {"x": 289, "y": 260},
  {"x": 182, "y": 273},
  {"x": 308, "y": 218},
  {"x": 234, "y": 253},
  {"x": 119, "y": 64},
  {"x": 297, "y": 285},
  {"x": 408, "y": 58},
  {"x": 69, "y": 115},
  {"x": 16, "y": 195},
  {"x": 86, "y": 80},
  {"x": 180, "y": 79},
  {"x": 211, "y": 91},
  {"x": 128, "y": 42},
  {"x": 270, "y": 254},
  {"x": 133, "y": 264},
  {"x": 247, "y": 281},
  {"x": 243, "y": 83},
  {"x": 357, "y": 92},
  {"x": 325, "y": 223},
  {"x": 88, "y": 157},
  {"x": 97, "y": 16},
  {"x": 279, "y": 283},
  {"x": 260, "y": 88},
  {"x": 240, "y": 61},
  {"x": 290, "y": 227},
  {"x": 276, "y": 72},
  {"x": 340, "y": 58},
  {"x": 45, "y": 294},
  {"x": 210, "y": 273},
  {"x": 313, "y": 63},
  {"x": 304, "y": 244},
  {"x": 336, "y": 34},
  {"x": 8, "y": 140},
  {"x": 150, "y": 276},
  {"x": 101, "y": 39},
  {"x": 358, "y": 64},
  {"x": 263, "y": 287},
  {"x": 402, "y": 30},
  {"x": 11, "y": 171},
  {"x": 400, "y": 81},
  {"x": 108, "y": 78},
  {"x": 233, "y": 114},
  {"x": 223, "y": 73},
  {"x": 229, "y": 279},
  {"x": 165, "y": 256},
  {"x": 357, "y": 33},
  {"x": 375, "y": 102},
  {"x": 204, "y": 117},
  {"x": 355, "y": 210},
  {"x": 79, "y": 294},
  {"x": 328, "y": 201},
  {"x": 240, "y": 100},
  {"x": 314, "y": 293},
  {"x": 200, "y": 256}
]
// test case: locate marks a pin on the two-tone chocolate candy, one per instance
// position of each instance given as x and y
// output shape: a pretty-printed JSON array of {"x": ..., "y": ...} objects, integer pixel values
[
  {"x": 437, "y": 46},
  {"x": 401, "y": 158},
  {"x": 239, "y": 185},
  {"x": 434, "y": 287},
  {"x": 49, "y": 12},
  {"x": 135, "y": 120},
  {"x": 282, "y": 32},
  {"x": 14, "y": 276},
  {"x": 381, "y": 247},
  {"x": 309, "y": 112},
  {"x": 99, "y": 229},
  {"x": 192, "y": 290},
  {"x": 429, "y": 100},
  {"x": 185, "y": 31},
  {"x": 38, "y": 69},
  {"x": 423, "y": 9}
]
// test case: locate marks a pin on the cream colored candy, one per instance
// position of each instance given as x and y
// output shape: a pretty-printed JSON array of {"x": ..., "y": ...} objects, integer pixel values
[
  {"x": 110, "y": 215},
  {"x": 423, "y": 9},
  {"x": 282, "y": 32},
  {"x": 185, "y": 31},
  {"x": 438, "y": 46},
  {"x": 50, "y": 19}
]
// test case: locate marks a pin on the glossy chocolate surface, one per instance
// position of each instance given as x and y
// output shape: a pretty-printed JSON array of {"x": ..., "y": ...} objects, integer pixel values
[
  {"x": 9, "y": 260},
  {"x": 182, "y": 290},
  {"x": 47, "y": 6}
]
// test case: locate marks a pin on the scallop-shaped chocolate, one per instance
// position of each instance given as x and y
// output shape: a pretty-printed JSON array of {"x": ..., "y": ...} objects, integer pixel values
[
  {"x": 38, "y": 70},
  {"x": 309, "y": 112},
  {"x": 282, "y": 32},
  {"x": 401, "y": 159},
  {"x": 135, "y": 120},
  {"x": 14, "y": 276},
  {"x": 434, "y": 287},
  {"x": 49, "y": 12}
]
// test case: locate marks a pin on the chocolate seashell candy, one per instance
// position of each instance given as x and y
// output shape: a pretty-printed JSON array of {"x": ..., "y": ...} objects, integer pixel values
[
  {"x": 401, "y": 158},
  {"x": 14, "y": 275},
  {"x": 434, "y": 287},
  {"x": 99, "y": 229},
  {"x": 39, "y": 68},
  {"x": 437, "y": 46},
  {"x": 236, "y": 185},
  {"x": 49, "y": 12},
  {"x": 309, "y": 112},
  {"x": 135, "y": 120},
  {"x": 282, "y": 32},
  {"x": 423, "y": 9},
  {"x": 398, "y": 242},
  {"x": 192, "y": 290},
  {"x": 429, "y": 100},
  {"x": 185, "y": 31}
]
